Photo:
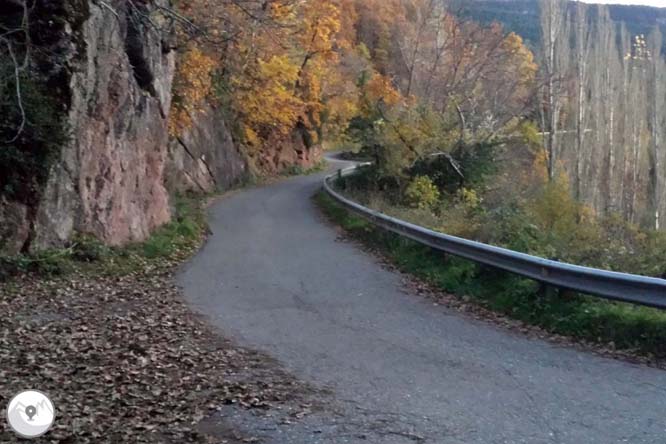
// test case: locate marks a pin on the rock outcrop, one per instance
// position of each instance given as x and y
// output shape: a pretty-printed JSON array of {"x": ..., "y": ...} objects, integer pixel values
[
  {"x": 14, "y": 226},
  {"x": 109, "y": 67},
  {"x": 205, "y": 157},
  {"x": 282, "y": 153},
  {"x": 109, "y": 179},
  {"x": 113, "y": 74}
]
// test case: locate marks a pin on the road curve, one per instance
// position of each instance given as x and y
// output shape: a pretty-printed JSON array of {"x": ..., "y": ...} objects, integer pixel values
[{"x": 274, "y": 277}]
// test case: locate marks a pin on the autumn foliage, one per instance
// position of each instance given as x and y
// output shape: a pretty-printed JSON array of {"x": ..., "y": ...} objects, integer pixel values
[
  {"x": 274, "y": 66},
  {"x": 403, "y": 75},
  {"x": 193, "y": 85}
]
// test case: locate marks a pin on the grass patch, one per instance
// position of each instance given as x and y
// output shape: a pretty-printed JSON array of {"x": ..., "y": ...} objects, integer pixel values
[
  {"x": 172, "y": 241},
  {"x": 185, "y": 228},
  {"x": 615, "y": 325}
]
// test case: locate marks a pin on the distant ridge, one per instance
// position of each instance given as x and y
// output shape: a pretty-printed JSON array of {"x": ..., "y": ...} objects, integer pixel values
[{"x": 522, "y": 16}]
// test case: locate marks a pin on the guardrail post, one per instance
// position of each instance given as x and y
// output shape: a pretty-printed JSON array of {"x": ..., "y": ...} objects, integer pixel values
[
  {"x": 341, "y": 183},
  {"x": 548, "y": 291},
  {"x": 443, "y": 255}
]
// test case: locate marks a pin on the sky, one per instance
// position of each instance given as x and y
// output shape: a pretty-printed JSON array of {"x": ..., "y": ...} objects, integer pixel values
[{"x": 659, "y": 3}]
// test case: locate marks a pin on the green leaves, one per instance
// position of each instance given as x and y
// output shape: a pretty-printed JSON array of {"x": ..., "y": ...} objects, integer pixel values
[{"x": 26, "y": 156}]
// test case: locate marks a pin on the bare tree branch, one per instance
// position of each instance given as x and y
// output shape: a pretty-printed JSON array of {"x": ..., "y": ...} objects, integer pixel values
[
  {"x": 19, "y": 99},
  {"x": 19, "y": 67}
]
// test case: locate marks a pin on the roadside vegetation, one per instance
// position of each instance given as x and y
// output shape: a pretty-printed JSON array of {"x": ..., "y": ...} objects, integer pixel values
[
  {"x": 297, "y": 170},
  {"x": 171, "y": 242},
  {"x": 473, "y": 134},
  {"x": 528, "y": 214},
  {"x": 611, "y": 326},
  {"x": 553, "y": 150}
]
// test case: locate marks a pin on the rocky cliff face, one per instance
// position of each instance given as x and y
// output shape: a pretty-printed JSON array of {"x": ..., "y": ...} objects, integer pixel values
[
  {"x": 110, "y": 72},
  {"x": 108, "y": 180},
  {"x": 113, "y": 75},
  {"x": 205, "y": 158}
]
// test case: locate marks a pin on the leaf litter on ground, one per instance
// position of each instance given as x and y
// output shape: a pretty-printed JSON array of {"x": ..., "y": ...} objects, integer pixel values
[{"x": 125, "y": 360}]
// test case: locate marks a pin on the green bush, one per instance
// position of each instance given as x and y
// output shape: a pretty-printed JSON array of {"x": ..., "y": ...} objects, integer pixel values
[
  {"x": 48, "y": 262},
  {"x": 85, "y": 252},
  {"x": 421, "y": 193},
  {"x": 476, "y": 162}
]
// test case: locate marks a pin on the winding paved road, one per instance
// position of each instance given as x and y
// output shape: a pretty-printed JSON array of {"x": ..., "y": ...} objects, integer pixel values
[{"x": 274, "y": 277}]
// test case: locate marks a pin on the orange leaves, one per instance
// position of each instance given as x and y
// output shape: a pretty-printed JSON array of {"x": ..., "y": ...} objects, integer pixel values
[
  {"x": 380, "y": 89},
  {"x": 283, "y": 65},
  {"x": 192, "y": 85},
  {"x": 281, "y": 11},
  {"x": 319, "y": 28},
  {"x": 346, "y": 36}
]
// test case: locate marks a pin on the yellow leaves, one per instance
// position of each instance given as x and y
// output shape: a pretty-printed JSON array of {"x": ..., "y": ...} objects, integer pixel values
[
  {"x": 469, "y": 197},
  {"x": 299, "y": 62},
  {"x": 342, "y": 109},
  {"x": 422, "y": 193},
  {"x": 320, "y": 25},
  {"x": 520, "y": 57},
  {"x": 555, "y": 209},
  {"x": 560, "y": 216},
  {"x": 192, "y": 85},
  {"x": 346, "y": 37},
  {"x": 282, "y": 11},
  {"x": 282, "y": 67},
  {"x": 279, "y": 69},
  {"x": 251, "y": 137},
  {"x": 267, "y": 101}
]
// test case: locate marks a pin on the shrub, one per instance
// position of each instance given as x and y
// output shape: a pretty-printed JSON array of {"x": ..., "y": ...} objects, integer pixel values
[
  {"x": 87, "y": 248},
  {"x": 183, "y": 231},
  {"x": 567, "y": 227},
  {"x": 477, "y": 163},
  {"x": 469, "y": 198},
  {"x": 421, "y": 193}
]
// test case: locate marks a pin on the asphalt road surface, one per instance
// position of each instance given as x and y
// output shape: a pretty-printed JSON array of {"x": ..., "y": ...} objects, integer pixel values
[{"x": 275, "y": 277}]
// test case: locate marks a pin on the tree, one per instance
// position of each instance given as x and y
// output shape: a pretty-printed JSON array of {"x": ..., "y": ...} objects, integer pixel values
[
  {"x": 656, "y": 121},
  {"x": 553, "y": 13},
  {"x": 583, "y": 48}
]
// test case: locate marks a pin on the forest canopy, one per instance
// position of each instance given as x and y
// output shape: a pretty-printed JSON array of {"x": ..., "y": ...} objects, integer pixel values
[
  {"x": 566, "y": 136},
  {"x": 406, "y": 77}
]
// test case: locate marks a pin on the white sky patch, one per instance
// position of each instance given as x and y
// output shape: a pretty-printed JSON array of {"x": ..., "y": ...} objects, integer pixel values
[{"x": 657, "y": 3}]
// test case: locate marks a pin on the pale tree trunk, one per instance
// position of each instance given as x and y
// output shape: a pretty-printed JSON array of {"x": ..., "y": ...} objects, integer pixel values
[
  {"x": 627, "y": 133},
  {"x": 583, "y": 39},
  {"x": 552, "y": 17},
  {"x": 654, "y": 95}
]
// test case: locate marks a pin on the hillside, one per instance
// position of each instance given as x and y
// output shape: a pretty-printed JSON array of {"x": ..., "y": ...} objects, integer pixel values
[{"x": 522, "y": 16}]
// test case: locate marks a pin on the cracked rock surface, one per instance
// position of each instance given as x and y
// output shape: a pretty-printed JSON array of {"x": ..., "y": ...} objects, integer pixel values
[{"x": 274, "y": 276}]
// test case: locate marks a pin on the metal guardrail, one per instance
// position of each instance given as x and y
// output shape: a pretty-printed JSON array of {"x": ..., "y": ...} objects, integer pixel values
[{"x": 607, "y": 284}]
